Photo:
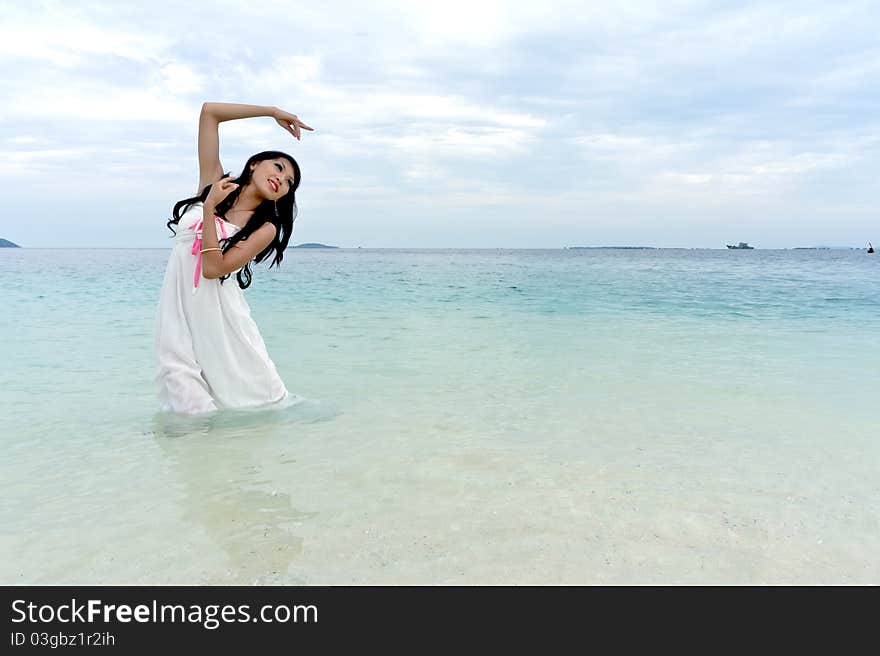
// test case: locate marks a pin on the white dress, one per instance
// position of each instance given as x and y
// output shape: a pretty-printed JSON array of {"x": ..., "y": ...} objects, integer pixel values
[{"x": 210, "y": 354}]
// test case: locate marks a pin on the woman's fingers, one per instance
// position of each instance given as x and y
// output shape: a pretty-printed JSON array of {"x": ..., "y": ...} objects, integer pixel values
[
  {"x": 292, "y": 124},
  {"x": 226, "y": 185},
  {"x": 299, "y": 124}
]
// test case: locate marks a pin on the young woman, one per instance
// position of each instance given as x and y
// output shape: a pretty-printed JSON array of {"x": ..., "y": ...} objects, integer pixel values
[{"x": 210, "y": 353}]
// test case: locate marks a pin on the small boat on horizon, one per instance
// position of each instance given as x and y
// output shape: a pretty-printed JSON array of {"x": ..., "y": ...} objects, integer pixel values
[
  {"x": 742, "y": 245},
  {"x": 870, "y": 248}
]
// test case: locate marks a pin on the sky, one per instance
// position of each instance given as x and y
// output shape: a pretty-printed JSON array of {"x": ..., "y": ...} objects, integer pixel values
[{"x": 452, "y": 125}]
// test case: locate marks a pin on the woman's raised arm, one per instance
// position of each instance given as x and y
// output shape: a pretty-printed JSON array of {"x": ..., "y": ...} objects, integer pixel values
[{"x": 214, "y": 113}]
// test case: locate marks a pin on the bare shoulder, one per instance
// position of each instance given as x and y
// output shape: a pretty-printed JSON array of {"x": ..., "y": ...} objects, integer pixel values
[
  {"x": 267, "y": 232},
  {"x": 246, "y": 250},
  {"x": 261, "y": 237}
]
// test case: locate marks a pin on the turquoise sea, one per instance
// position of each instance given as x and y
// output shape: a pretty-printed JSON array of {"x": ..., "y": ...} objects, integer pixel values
[{"x": 467, "y": 416}]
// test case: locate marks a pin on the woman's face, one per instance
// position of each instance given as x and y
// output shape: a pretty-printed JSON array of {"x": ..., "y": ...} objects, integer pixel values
[{"x": 272, "y": 178}]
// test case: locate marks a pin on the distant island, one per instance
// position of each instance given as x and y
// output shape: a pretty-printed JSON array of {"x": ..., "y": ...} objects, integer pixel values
[
  {"x": 630, "y": 248},
  {"x": 314, "y": 245},
  {"x": 5, "y": 243},
  {"x": 827, "y": 248}
]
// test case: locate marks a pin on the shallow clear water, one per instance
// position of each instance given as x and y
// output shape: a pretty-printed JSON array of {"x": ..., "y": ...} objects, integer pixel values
[{"x": 483, "y": 416}]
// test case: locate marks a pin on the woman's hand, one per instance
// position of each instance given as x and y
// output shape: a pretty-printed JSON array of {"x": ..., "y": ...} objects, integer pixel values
[
  {"x": 220, "y": 190},
  {"x": 289, "y": 122}
]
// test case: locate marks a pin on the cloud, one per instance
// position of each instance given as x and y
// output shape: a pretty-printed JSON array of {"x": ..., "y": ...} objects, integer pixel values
[
  {"x": 546, "y": 112},
  {"x": 71, "y": 44}
]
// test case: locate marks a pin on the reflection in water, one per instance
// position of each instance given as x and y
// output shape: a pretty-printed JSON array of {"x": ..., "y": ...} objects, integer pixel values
[{"x": 220, "y": 461}]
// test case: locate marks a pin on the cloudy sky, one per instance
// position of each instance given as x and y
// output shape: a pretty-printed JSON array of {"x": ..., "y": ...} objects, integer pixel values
[{"x": 453, "y": 124}]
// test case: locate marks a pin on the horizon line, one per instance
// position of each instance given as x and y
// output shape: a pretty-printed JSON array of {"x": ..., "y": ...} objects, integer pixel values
[{"x": 475, "y": 248}]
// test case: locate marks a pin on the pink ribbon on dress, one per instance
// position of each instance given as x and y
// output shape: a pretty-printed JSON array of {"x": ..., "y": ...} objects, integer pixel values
[{"x": 197, "y": 246}]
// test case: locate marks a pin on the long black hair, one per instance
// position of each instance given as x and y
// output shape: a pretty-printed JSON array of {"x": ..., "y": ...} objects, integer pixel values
[{"x": 280, "y": 213}]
